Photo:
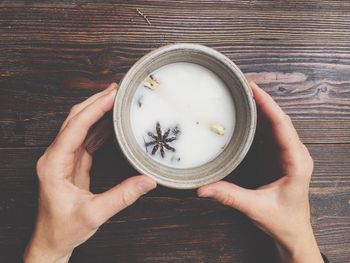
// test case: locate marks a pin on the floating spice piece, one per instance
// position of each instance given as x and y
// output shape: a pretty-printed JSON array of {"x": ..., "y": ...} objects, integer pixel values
[
  {"x": 145, "y": 143},
  {"x": 160, "y": 141},
  {"x": 140, "y": 101},
  {"x": 151, "y": 83},
  {"x": 176, "y": 131},
  {"x": 175, "y": 158},
  {"x": 218, "y": 129}
]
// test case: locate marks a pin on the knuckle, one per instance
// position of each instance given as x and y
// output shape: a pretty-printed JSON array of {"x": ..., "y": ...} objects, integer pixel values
[
  {"x": 308, "y": 158},
  {"x": 39, "y": 163},
  {"x": 305, "y": 167},
  {"x": 74, "y": 109},
  {"x": 311, "y": 161},
  {"x": 304, "y": 148},
  {"x": 45, "y": 165},
  {"x": 40, "y": 166},
  {"x": 126, "y": 199},
  {"x": 310, "y": 165},
  {"x": 228, "y": 200}
]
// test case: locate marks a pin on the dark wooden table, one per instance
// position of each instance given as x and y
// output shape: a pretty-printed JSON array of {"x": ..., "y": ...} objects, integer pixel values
[{"x": 53, "y": 55}]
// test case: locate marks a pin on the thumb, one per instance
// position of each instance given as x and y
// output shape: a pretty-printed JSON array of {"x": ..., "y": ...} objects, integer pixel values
[
  {"x": 107, "y": 204},
  {"x": 229, "y": 194}
]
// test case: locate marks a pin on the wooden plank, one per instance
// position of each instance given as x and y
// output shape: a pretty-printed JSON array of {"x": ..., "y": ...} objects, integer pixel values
[
  {"x": 40, "y": 128},
  {"x": 200, "y": 231},
  {"x": 303, "y": 89},
  {"x": 160, "y": 233},
  {"x": 323, "y": 130},
  {"x": 17, "y": 169},
  {"x": 103, "y": 22},
  {"x": 298, "y": 53},
  {"x": 163, "y": 229}
]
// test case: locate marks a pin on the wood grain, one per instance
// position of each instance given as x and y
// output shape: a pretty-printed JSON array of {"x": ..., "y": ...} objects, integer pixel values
[
  {"x": 299, "y": 53},
  {"x": 39, "y": 129},
  {"x": 53, "y": 55},
  {"x": 163, "y": 229},
  {"x": 17, "y": 169},
  {"x": 172, "y": 225}
]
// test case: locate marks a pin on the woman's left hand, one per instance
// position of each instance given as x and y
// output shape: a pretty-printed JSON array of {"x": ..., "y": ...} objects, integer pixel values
[{"x": 68, "y": 213}]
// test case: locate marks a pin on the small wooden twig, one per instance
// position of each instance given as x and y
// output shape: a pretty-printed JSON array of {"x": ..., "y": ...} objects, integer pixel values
[{"x": 143, "y": 15}]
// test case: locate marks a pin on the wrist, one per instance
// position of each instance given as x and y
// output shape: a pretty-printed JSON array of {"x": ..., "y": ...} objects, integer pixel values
[
  {"x": 39, "y": 253},
  {"x": 299, "y": 248}
]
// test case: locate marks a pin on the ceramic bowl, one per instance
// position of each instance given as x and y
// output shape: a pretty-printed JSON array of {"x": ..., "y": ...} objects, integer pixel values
[{"x": 239, "y": 143}]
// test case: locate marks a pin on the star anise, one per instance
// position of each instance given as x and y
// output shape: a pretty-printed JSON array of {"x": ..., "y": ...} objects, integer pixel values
[{"x": 160, "y": 141}]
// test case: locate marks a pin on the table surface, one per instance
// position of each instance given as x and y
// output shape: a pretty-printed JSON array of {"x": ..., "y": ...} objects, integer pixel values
[{"x": 53, "y": 55}]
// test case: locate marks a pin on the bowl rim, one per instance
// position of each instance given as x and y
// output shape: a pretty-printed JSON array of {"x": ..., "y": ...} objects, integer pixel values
[{"x": 123, "y": 144}]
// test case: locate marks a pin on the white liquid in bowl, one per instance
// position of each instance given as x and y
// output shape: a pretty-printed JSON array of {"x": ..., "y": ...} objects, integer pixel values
[{"x": 192, "y": 103}]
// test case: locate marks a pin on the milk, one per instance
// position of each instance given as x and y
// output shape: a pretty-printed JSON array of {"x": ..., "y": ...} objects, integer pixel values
[{"x": 192, "y": 106}]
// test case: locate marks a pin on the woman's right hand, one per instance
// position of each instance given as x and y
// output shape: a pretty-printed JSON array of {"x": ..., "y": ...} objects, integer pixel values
[{"x": 281, "y": 209}]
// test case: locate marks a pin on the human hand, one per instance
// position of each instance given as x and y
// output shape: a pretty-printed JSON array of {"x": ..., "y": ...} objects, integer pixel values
[
  {"x": 281, "y": 208},
  {"x": 68, "y": 213}
]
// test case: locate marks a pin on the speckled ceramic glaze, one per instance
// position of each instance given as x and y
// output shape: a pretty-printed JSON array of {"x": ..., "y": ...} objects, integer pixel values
[{"x": 241, "y": 93}]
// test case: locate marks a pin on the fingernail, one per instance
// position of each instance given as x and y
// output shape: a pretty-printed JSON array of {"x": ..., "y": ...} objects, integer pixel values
[
  {"x": 147, "y": 185},
  {"x": 206, "y": 193},
  {"x": 252, "y": 84},
  {"x": 112, "y": 86},
  {"x": 254, "y": 87}
]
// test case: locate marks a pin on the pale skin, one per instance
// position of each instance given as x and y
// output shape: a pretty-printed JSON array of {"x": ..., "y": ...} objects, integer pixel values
[{"x": 69, "y": 214}]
